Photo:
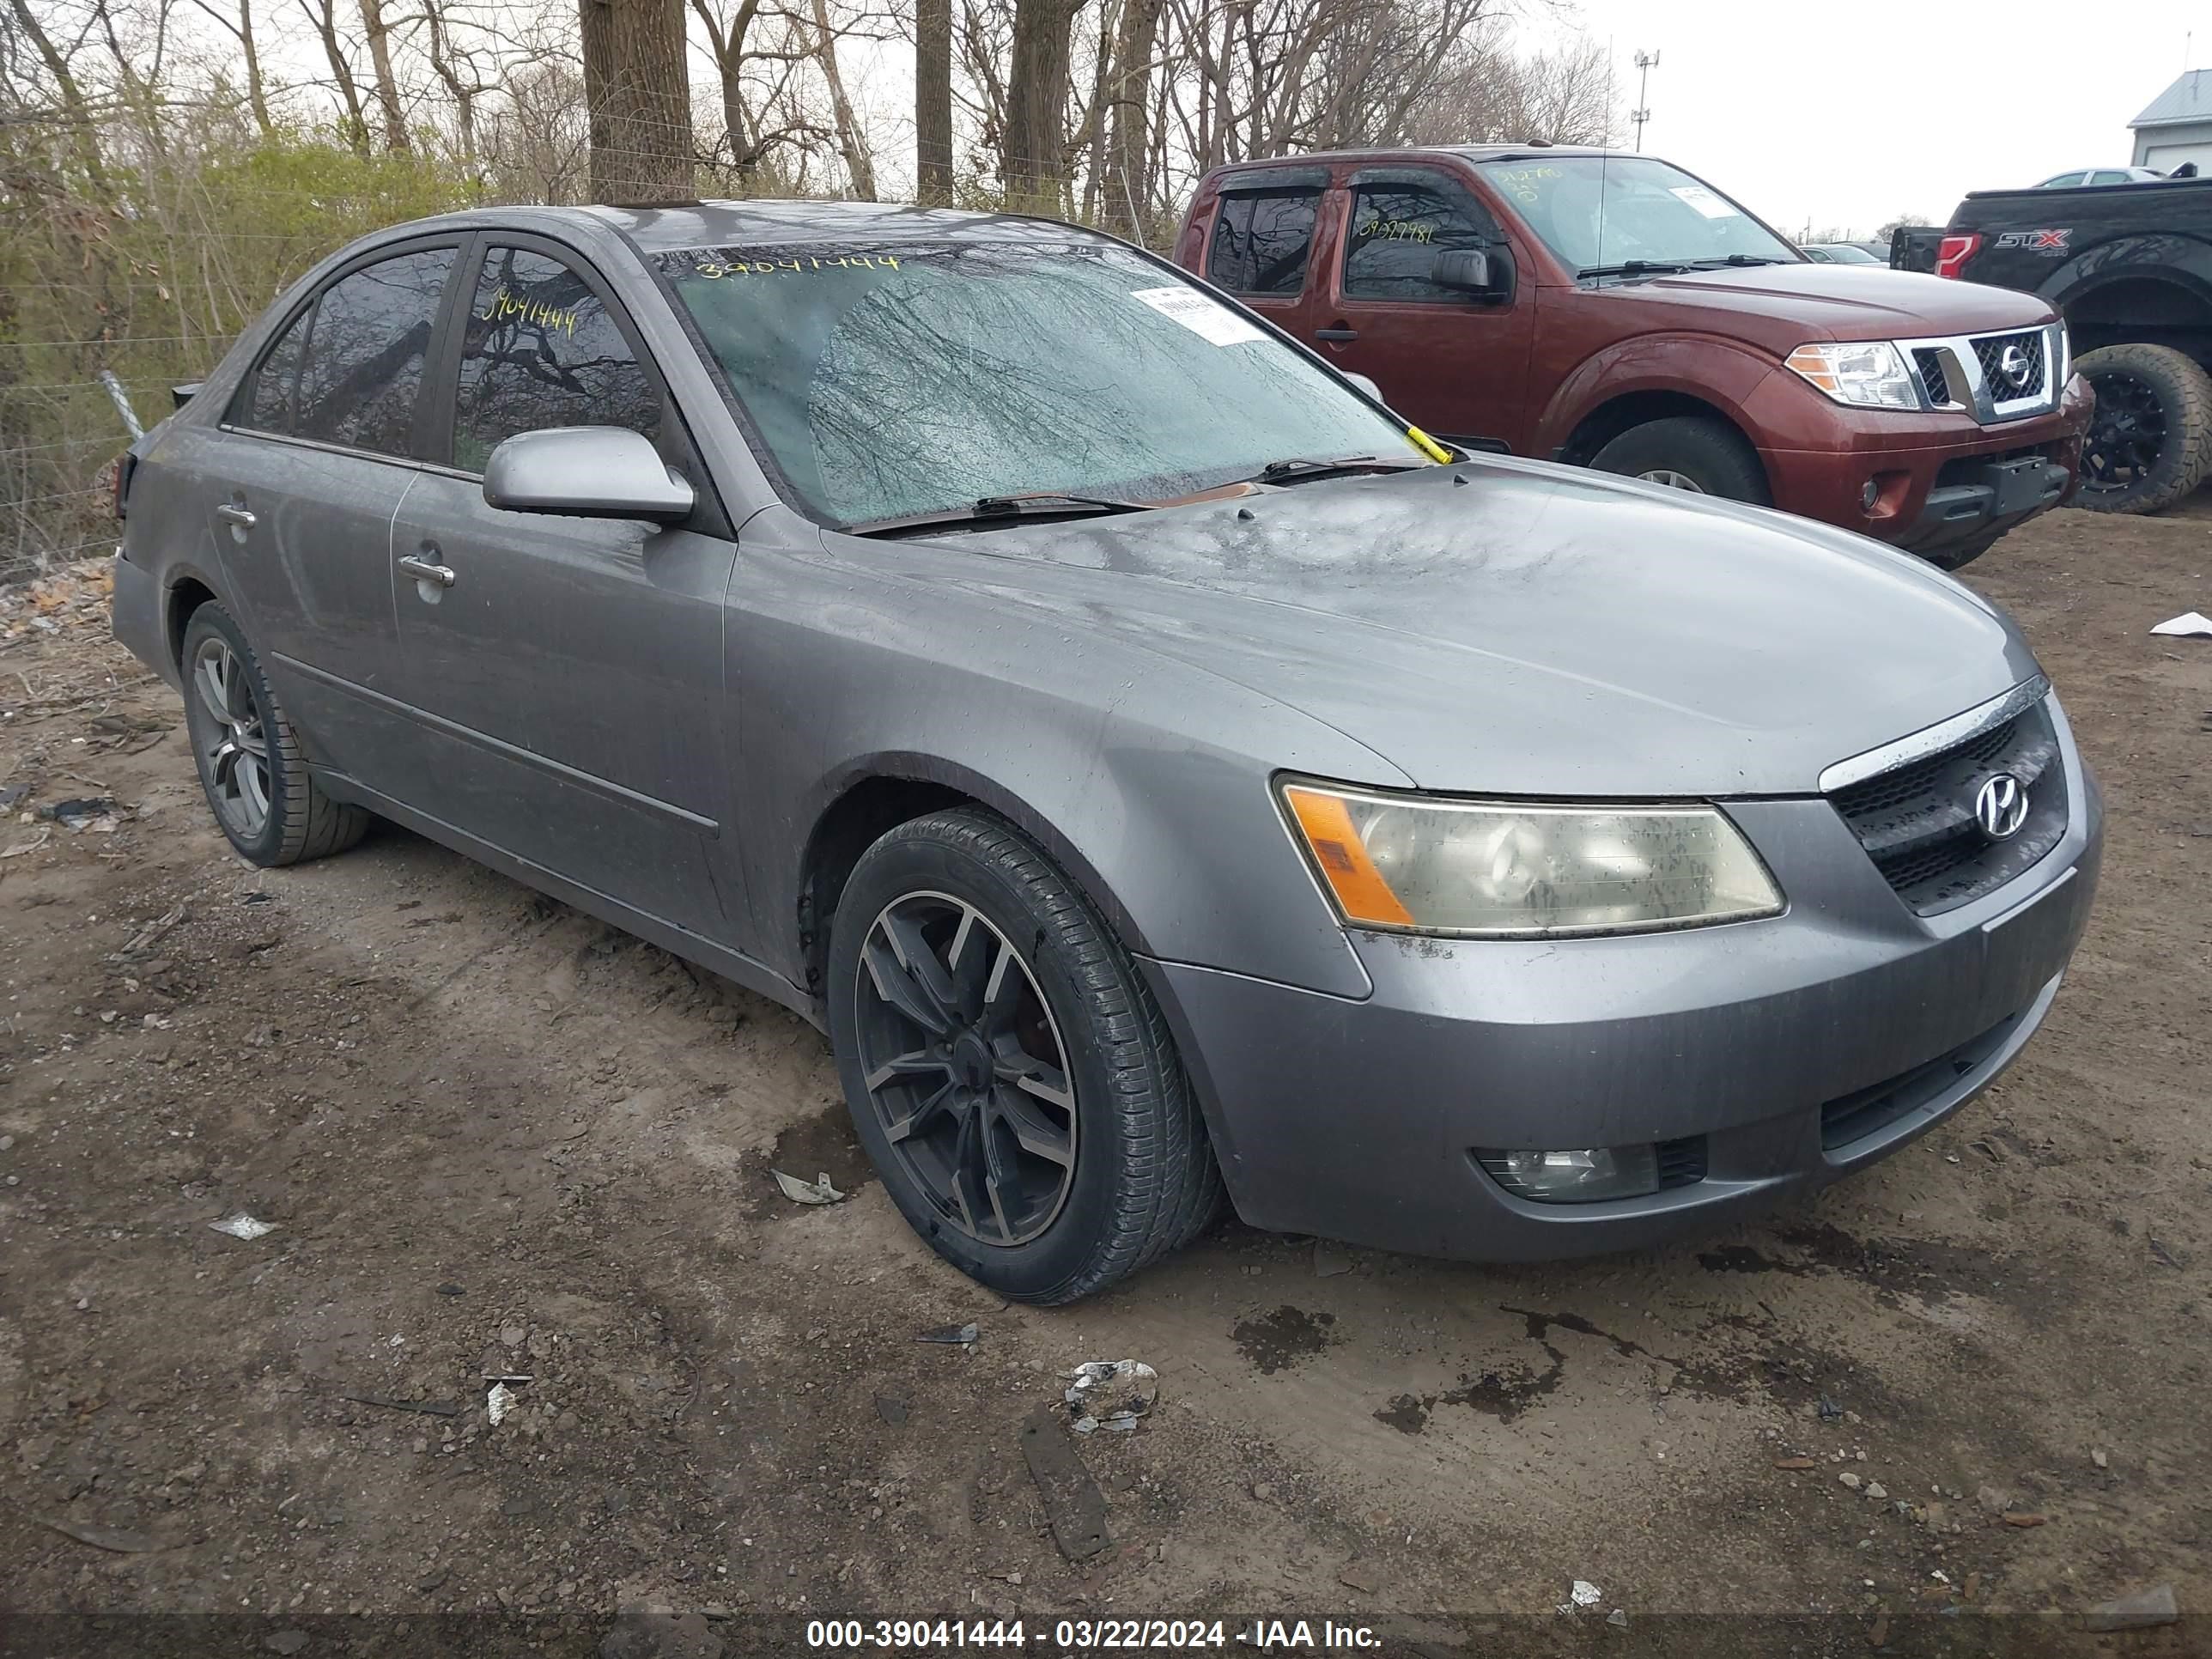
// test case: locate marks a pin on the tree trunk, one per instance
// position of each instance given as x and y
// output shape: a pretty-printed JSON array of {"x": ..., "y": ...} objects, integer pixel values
[
  {"x": 256, "y": 89},
  {"x": 83, "y": 137},
  {"x": 1128, "y": 144},
  {"x": 1031, "y": 161},
  {"x": 852, "y": 143},
  {"x": 932, "y": 101},
  {"x": 327, "y": 31},
  {"x": 638, "y": 91},
  {"x": 387, "y": 85}
]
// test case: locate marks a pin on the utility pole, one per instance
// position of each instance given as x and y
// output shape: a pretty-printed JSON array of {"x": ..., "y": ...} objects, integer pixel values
[{"x": 1645, "y": 62}]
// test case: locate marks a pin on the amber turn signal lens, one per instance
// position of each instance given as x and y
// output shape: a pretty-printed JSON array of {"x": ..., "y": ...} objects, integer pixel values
[{"x": 1341, "y": 856}]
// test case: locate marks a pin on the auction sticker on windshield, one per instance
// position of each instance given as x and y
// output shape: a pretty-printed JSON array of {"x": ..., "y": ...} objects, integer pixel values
[
  {"x": 1200, "y": 315},
  {"x": 1705, "y": 202}
]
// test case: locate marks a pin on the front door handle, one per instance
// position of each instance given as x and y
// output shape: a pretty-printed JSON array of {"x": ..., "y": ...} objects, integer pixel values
[
  {"x": 1336, "y": 334},
  {"x": 236, "y": 514},
  {"x": 423, "y": 571}
]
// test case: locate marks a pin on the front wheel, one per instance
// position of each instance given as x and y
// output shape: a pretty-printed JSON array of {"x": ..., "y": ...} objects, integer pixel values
[
  {"x": 2150, "y": 441},
  {"x": 1694, "y": 452},
  {"x": 1006, "y": 1068}
]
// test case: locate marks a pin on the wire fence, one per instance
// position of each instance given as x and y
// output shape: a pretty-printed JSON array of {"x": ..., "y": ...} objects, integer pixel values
[{"x": 105, "y": 305}]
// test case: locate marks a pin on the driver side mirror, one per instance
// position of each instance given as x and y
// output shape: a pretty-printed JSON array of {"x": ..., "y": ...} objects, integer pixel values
[
  {"x": 586, "y": 473},
  {"x": 1476, "y": 271}
]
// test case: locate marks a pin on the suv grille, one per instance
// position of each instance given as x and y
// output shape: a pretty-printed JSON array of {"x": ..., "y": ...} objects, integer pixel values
[
  {"x": 1991, "y": 349},
  {"x": 1929, "y": 362},
  {"x": 1917, "y": 824}
]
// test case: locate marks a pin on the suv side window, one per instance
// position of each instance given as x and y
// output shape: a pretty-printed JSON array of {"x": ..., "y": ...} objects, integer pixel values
[
  {"x": 1261, "y": 240},
  {"x": 2108, "y": 176},
  {"x": 1398, "y": 230},
  {"x": 361, "y": 376},
  {"x": 539, "y": 348}
]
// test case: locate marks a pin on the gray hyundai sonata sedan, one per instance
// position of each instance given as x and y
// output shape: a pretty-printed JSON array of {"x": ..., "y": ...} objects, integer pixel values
[{"x": 1156, "y": 767}]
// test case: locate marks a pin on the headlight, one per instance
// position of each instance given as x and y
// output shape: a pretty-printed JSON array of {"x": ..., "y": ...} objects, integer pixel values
[
  {"x": 1870, "y": 374},
  {"x": 1414, "y": 863}
]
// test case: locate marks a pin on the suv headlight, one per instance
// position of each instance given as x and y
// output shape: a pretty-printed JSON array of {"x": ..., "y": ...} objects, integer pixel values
[
  {"x": 1414, "y": 864},
  {"x": 1866, "y": 374}
]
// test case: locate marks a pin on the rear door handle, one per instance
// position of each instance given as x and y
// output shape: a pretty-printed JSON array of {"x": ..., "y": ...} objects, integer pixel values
[
  {"x": 236, "y": 514},
  {"x": 1336, "y": 334},
  {"x": 423, "y": 571}
]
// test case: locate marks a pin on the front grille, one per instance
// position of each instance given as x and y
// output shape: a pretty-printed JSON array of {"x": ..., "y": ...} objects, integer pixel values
[
  {"x": 1869, "y": 1111},
  {"x": 1929, "y": 362},
  {"x": 1991, "y": 349},
  {"x": 1917, "y": 823},
  {"x": 1681, "y": 1162}
]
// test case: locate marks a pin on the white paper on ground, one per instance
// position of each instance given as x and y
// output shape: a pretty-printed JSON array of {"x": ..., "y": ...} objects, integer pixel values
[
  {"x": 2190, "y": 624},
  {"x": 1200, "y": 314}
]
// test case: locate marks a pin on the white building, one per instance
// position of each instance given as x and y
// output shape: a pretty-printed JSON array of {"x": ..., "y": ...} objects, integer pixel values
[{"x": 2178, "y": 125}]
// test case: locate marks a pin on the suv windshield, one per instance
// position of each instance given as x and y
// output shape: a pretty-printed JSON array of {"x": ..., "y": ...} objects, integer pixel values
[
  {"x": 907, "y": 378},
  {"x": 1600, "y": 212}
]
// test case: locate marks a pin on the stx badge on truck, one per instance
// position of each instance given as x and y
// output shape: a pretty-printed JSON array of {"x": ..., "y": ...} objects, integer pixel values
[{"x": 2036, "y": 241}]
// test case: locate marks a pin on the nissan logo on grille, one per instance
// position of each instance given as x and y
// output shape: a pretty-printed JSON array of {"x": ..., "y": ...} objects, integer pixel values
[
  {"x": 2017, "y": 368},
  {"x": 2000, "y": 806}
]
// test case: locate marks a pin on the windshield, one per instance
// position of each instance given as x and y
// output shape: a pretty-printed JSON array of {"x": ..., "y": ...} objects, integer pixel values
[
  {"x": 908, "y": 379},
  {"x": 1601, "y": 211}
]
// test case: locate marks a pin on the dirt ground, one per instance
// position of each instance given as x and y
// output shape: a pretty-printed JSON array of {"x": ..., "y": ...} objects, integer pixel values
[{"x": 1961, "y": 1397}]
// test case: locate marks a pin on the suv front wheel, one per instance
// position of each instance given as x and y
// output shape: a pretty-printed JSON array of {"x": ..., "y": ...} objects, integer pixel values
[{"x": 1688, "y": 452}]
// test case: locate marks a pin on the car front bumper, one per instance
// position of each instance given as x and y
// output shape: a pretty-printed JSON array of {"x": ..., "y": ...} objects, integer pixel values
[
  {"x": 1358, "y": 1120},
  {"x": 1936, "y": 477}
]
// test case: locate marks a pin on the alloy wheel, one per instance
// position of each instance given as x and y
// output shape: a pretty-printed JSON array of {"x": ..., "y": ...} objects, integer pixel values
[
  {"x": 2126, "y": 435},
  {"x": 1672, "y": 480},
  {"x": 964, "y": 1068},
  {"x": 233, "y": 742}
]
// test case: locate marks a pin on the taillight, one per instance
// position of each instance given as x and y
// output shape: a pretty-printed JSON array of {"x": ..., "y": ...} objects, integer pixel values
[
  {"x": 126, "y": 465},
  {"x": 1954, "y": 252}
]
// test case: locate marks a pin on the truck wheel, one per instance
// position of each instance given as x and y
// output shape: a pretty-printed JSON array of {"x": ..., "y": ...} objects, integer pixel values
[
  {"x": 1007, "y": 1069},
  {"x": 1689, "y": 452},
  {"x": 2150, "y": 441}
]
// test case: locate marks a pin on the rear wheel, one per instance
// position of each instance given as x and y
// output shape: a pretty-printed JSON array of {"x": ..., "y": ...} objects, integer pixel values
[
  {"x": 1689, "y": 452},
  {"x": 249, "y": 758},
  {"x": 1006, "y": 1068},
  {"x": 2150, "y": 441}
]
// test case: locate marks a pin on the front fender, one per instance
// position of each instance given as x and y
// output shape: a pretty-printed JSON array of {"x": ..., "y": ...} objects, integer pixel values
[
  {"x": 1149, "y": 781},
  {"x": 1709, "y": 367}
]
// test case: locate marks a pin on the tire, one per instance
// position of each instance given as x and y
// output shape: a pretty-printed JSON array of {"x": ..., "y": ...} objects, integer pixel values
[
  {"x": 250, "y": 766},
  {"x": 1694, "y": 452},
  {"x": 2150, "y": 440},
  {"x": 1137, "y": 1178}
]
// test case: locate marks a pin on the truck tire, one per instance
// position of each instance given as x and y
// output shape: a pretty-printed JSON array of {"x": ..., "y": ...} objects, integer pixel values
[
  {"x": 1695, "y": 453},
  {"x": 2150, "y": 440}
]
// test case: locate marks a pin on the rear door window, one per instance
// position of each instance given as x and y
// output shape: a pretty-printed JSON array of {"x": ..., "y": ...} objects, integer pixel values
[
  {"x": 1398, "y": 230},
  {"x": 1260, "y": 241},
  {"x": 360, "y": 378},
  {"x": 2108, "y": 176},
  {"x": 540, "y": 349}
]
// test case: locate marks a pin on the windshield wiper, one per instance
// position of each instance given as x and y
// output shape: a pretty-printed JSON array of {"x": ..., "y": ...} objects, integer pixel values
[
  {"x": 999, "y": 510},
  {"x": 1632, "y": 268},
  {"x": 1300, "y": 469},
  {"x": 1737, "y": 259}
]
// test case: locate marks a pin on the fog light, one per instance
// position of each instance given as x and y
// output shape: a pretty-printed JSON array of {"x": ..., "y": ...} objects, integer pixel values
[
  {"x": 1576, "y": 1175},
  {"x": 1869, "y": 495}
]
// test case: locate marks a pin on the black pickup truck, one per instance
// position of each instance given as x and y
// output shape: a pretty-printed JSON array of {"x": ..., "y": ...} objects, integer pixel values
[{"x": 2130, "y": 267}]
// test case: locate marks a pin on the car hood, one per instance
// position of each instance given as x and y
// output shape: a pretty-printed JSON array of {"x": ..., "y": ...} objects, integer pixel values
[
  {"x": 1518, "y": 627},
  {"x": 1845, "y": 302}
]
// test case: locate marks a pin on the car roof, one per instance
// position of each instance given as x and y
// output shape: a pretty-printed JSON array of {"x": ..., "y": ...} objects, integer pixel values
[
  {"x": 1522, "y": 152},
  {"x": 737, "y": 224}
]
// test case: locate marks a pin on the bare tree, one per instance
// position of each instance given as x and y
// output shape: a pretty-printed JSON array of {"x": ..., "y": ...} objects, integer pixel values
[
  {"x": 638, "y": 90},
  {"x": 852, "y": 142},
  {"x": 1033, "y": 158},
  {"x": 932, "y": 101},
  {"x": 240, "y": 29}
]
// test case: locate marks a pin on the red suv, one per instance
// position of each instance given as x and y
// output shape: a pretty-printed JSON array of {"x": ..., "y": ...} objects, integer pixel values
[{"x": 1613, "y": 311}]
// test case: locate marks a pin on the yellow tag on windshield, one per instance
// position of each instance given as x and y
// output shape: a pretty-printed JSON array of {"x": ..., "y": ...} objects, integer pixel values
[{"x": 1428, "y": 446}]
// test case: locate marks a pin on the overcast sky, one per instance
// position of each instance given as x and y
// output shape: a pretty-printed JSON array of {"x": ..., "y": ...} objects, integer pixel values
[{"x": 1851, "y": 112}]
